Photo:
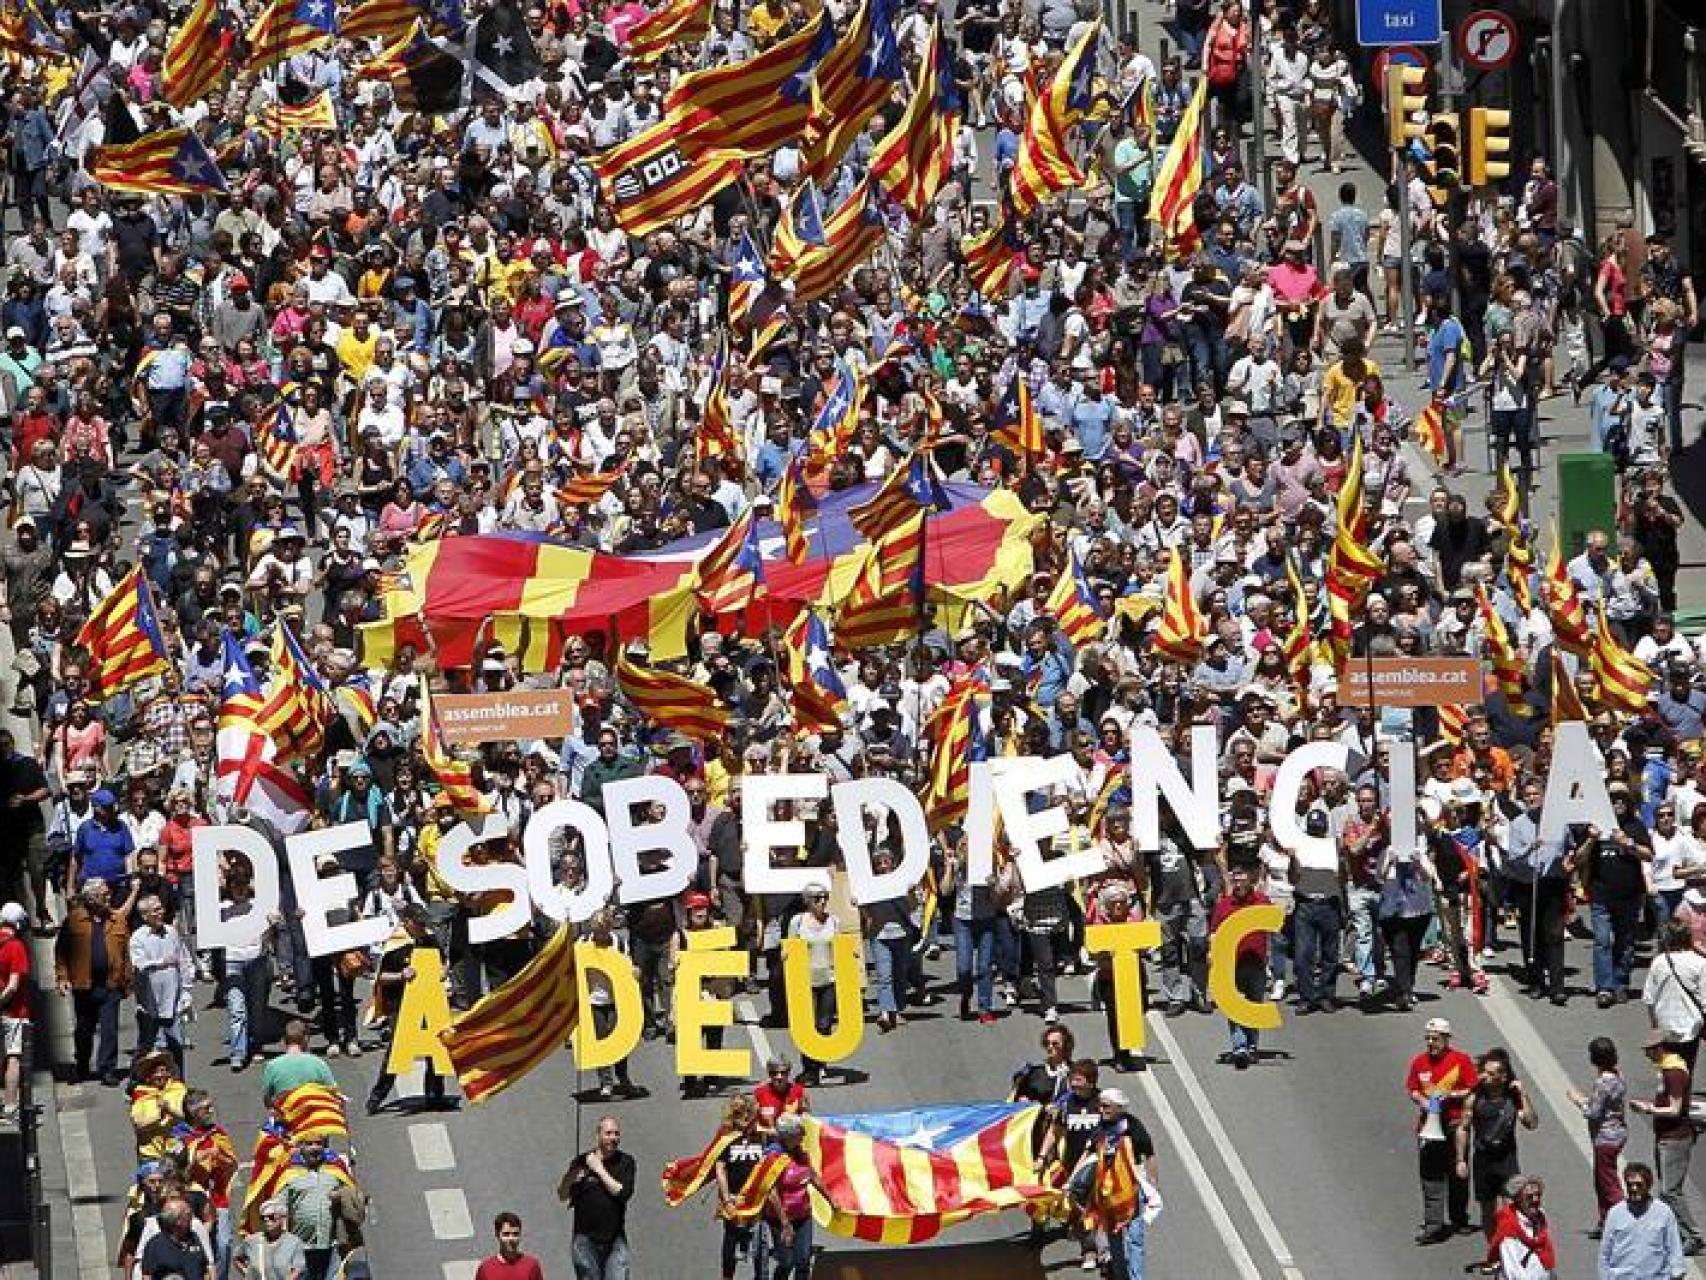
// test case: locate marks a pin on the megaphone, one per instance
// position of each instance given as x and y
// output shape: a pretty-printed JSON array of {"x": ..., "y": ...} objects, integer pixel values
[{"x": 1432, "y": 1129}]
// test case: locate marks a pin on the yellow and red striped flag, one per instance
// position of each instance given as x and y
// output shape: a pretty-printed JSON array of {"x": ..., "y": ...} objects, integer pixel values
[
  {"x": 1073, "y": 605},
  {"x": 1179, "y": 180},
  {"x": 1114, "y": 1195},
  {"x": 197, "y": 59},
  {"x": 298, "y": 705},
  {"x": 794, "y": 501},
  {"x": 1453, "y": 723},
  {"x": 454, "y": 777},
  {"x": 380, "y": 19},
  {"x": 910, "y": 488},
  {"x": 585, "y": 490},
  {"x": 1432, "y": 431},
  {"x": 913, "y": 158},
  {"x": 1015, "y": 423},
  {"x": 1352, "y": 568},
  {"x": 991, "y": 256},
  {"x": 520, "y": 1024},
  {"x": 1500, "y": 652},
  {"x": 1564, "y": 604},
  {"x": 312, "y": 1111},
  {"x": 122, "y": 636},
  {"x": 1519, "y": 555},
  {"x": 1299, "y": 643},
  {"x": 649, "y": 180},
  {"x": 1044, "y": 166},
  {"x": 957, "y": 740},
  {"x": 1566, "y": 698},
  {"x": 855, "y": 79},
  {"x": 683, "y": 1177},
  {"x": 672, "y": 23},
  {"x": 852, "y": 234},
  {"x": 317, "y": 113},
  {"x": 819, "y": 696},
  {"x": 674, "y": 702},
  {"x": 750, "y": 108},
  {"x": 1184, "y": 630},
  {"x": 715, "y": 436},
  {"x": 286, "y": 28},
  {"x": 886, "y": 602},
  {"x": 731, "y": 574},
  {"x": 167, "y": 162},
  {"x": 1623, "y": 679}
]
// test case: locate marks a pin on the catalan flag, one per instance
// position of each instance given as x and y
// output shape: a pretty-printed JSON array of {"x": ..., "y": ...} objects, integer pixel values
[
  {"x": 684, "y": 1177},
  {"x": 910, "y": 488},
  {"x": 1352, "y": 568},
  {"x": 1045, "y": 165},
  {"x": 903, "y": 1177},
  {"x": 517, "y": 1026},
  {"x": 991, "y": 256},
  {"x": 287, "y": 28},
  {"x": 355, "y": 697},
  {"x": 673, "y": 22},
  {"x": 275, "y": 444},
  {"x": 799, "y": 228},
  {"x": 650, "y": 180},
  {"x": 1623, "y": 680},
  {"x": 1138, "y": 109},
  {"x": 794, "y": 501},
  {"x": 819, "y": 695},
  {"x": 1519, "y": 555},
  {"x": 886, "y": 603},
  {"x": 838, "y": 419},
  {"x": 378, "y": 19},
  {"x": 584, "y": 491},
  {"x": 748, "y": 1203},
  {"x": 168, "y": 162},
  {"x": 1299, "y": 645},
  {"x": 913, "y": 158},
  {"x": 198, "y": 57},
  {"x": 957, "y": 740},
  {"x": 715, "y": 436},
  {"x": 1499, "y": 651},
  {"x": 752, "y": 107},
  {"x": 1566, "y": 699},
  {"x": 1015, "y": 424},
  {"x": 1433, "y": 431},
  {"x": 247, "y": 770},
  {"x": 312, "y": 1111},
  {"x": 1115, "y": 1197},
  {"x": 1453, "y": 723},
  {"x": 122, "y": 636},
  {"x": 731, "y": 574},
  {"x": 1179, "y": 180},
  {"x": 267, "y": 1167},
  {"x": 674, "y": 702},
  {"x": 317, "y": 113},
  {"x": 298, "y": 705},
  {"x": 424, "y": 76},
  {"x": 1183, "y": 630},
  {"x": 746, "y": 281},
  {"x": 853, "y": 233},
  {"x": 855, "y": 79},
  {"x": 1564, "y": 604},
  {"x": 454, "y": 777},
  {"x": 1073, "y": 605}
]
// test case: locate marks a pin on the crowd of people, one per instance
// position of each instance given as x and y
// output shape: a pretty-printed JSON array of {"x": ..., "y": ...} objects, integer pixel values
[{"x": 445, "y": 326}]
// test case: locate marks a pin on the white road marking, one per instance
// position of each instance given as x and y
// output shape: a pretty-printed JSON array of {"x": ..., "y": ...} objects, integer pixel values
[
  {"x": 1228, "y": 1153},
  {"x": 460, "y": 1270},
  {"x": 747, "y": 1014},
  {"x": 91, "y": 1230},
  {"x": 447, "y": 1209},
  {"x": 1197, "y": 1176},
  {"x": 431, "y": 1143},
  {"x": 1545, "y": 1074}
]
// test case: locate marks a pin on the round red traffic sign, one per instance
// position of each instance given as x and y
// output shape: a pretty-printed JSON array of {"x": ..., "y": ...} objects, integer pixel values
[
  {"x": 1398, "y": 55},
  {"x": 1487, "y": 39}
]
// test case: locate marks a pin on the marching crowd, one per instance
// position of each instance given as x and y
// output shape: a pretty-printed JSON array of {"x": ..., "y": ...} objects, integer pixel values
[{"x": 445, "y": 326}]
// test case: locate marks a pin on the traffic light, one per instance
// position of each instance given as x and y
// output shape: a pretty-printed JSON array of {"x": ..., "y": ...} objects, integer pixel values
[
  {"x": 1406, "y": 103},
  {"x": 1440, "y": 169},
  {"x": 1489, "y": 140}
]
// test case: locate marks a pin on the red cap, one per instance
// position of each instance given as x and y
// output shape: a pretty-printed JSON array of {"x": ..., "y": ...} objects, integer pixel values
[
  {"x": 697, "y": 901},
  {"x": 239, "y": 281}
]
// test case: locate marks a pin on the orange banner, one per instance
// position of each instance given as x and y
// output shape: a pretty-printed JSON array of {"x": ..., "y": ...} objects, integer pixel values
[
  {"x": 1411, "y": 682},
  {"x": 505, "y": 717}
]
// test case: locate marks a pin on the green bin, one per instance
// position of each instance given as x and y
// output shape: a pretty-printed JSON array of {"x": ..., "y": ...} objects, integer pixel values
[{"x": 1587, "y": 498}]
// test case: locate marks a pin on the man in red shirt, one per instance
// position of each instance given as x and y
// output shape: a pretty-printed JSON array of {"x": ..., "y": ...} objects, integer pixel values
[
  {"x": 1250, "y": 966},
  {"x": 1439, "y": 1081},
  {"x": 778, "y": 1095},
  {"x": 509, "y": 1262},
  {"x": 14, "y": 1003}
]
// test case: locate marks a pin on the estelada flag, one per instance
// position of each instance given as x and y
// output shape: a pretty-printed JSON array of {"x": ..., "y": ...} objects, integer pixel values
[
  {"x": 1073, "y": 605},
  {"x": 286, "y": 28},
  {"x": 1015, "y": 424},
  {"x": 1179, "y": 180},
  {"x": 198, "y": 57},
  {"x": 312, "y": 1111},
  {"x": 886, "y": 602},
  {"x": 168, "y": 162},
  {"x": 991, "y": 256},
  {"x": 1183, "y": 630},
  {"x": 913, "y": 158},
  {"x": 910, "y": 488},
  {"x": 856, "y": 78},
  {"x": 1045, "y": 165},
  {"x": 517, "y": 1026},
  {"x": 425, "y": 77},
  {"x": 750, "y": 108},
  {"x": 819, "y": 695},
  {"x": 731, "y": 575},
  {"x": 852, "y": 234},
  {"x": 122, "y": 636}
]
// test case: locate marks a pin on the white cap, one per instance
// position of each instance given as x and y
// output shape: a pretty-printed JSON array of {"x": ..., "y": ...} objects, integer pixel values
[
  {"x": 1438, "y": 1026},
  {"x": 14, "y": 915}
]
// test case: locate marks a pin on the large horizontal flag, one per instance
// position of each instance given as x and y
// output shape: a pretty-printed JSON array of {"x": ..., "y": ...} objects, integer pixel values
[
  {"x": 856, "y": 78},
  {"x": 673, "y": 22},
  {"x": 198, "y": 57},
  {"x": 650, "y": 180},
  {"x": 169, "y": 162},
  {"x": 913, "y": 158},
  {"x": 122, "y": 636},
  {"x": 902, "y": 1177},
  {"x": 1045, "y": 165},
  {"x": 750, "y": 108},
  {"x": 674, "y": 702},
  {"x": 286, "y": 28},
  {"x": 517, "y": 1026}
]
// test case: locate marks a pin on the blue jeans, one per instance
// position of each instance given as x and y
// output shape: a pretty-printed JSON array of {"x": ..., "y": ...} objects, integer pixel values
[
  {"x": 1316, "y": 923},
  {"x": 793, "y": 1261},
  {"x": 1364, "y": 903},
  {"x": 245, "y": 1006},
  {"x": 974, "y": 958},
  {"x": 1127, "y": 1248},
  {"x": 1250, "y": 977},
  {"x": 1614, "y": 927},
  {"x": 594, "y": 1261},
  {"x": 892, "y": 958}
]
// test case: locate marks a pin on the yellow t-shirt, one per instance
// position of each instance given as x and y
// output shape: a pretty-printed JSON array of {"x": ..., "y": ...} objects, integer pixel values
[{"x": 1339, "y": 391}]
